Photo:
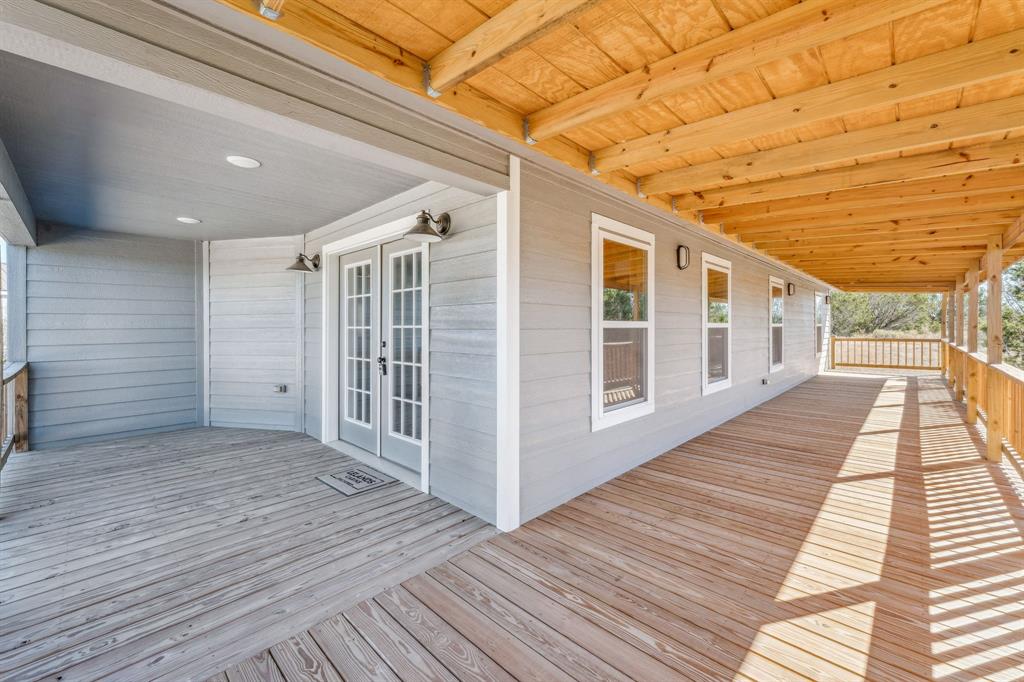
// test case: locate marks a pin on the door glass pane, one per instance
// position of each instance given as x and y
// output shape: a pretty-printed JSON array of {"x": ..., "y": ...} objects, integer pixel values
[
  {"x": 776, "y": 304},
  {"x": 718, "y": 354},
  {"x": 625, "y": 282},
  {"x": 406, "y": 336},
  {"x": 357, "y": 347},
  {"x": 625, "y": 368},
  {"x": 718, "y": 296}
]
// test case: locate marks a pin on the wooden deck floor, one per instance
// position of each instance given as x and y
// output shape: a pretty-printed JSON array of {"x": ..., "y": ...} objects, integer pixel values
[
  {"x": 170, "y": 556},
  {"x": 848, "y": 529}
]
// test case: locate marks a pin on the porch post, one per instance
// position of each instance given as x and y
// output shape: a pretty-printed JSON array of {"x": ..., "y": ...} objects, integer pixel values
[
  {"x": 958, "y": 335},
  {"x": 994, "y": 312},
  {"x": 970, "y": 363},
  {"x": 950, "y": 334},
  {"x": 943, "y": 326}
]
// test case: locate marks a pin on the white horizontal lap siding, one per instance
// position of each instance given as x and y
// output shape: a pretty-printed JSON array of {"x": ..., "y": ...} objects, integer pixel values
[
  {"x": 254, "y": 333},
  {"x": 111, "y": 335},
  {"x": 560, "y": 455},
  {"x": 463, "y": 344}
]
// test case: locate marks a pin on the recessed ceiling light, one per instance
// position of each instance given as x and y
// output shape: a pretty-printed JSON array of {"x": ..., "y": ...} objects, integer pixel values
[
  {"x": 188, "y": 221},
  {"x": 243, "y": 162}
]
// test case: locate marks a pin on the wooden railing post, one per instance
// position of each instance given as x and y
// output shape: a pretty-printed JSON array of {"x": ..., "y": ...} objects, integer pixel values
[
  {"x": 21, "y": 411},
  {"x": 832, "y": 352},
  {"x": 997, "y": 383},
  {"x": 972, "y": 388},
  {"x": 958, "y": 334}
]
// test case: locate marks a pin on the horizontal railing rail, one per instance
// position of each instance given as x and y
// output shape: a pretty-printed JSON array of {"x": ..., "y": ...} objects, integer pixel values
[
  {"x": 994, "y": 394},
  {"x": 14, "y": 410},
  {"x": 883, "y": 353}
]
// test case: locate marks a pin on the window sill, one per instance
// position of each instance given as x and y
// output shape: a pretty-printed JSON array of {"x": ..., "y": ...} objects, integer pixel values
[
  {"x": 717, "y": 386},
  {"x": 626, "y": 414}
]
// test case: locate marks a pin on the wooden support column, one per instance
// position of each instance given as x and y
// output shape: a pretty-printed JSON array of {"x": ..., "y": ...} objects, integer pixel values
[
  {"x": 950, "y": 335},
  {"x": 958, "y": 336},
  {"x": 21, "y": 411},
  {"x": 996, "y": 383},
  {"x": 943, "y": 329},
  {"x": 971, "y": 367}
]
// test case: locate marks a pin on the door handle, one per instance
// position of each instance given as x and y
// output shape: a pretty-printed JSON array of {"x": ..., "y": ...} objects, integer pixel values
[{"x": 382, "y": 360}]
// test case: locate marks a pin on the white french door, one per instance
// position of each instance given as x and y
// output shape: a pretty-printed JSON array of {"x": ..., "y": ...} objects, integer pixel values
[{"x": 382, "y": 299}]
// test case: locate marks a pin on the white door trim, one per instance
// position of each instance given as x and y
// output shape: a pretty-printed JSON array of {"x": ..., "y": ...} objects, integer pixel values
[{"x": 330, "y": 255}]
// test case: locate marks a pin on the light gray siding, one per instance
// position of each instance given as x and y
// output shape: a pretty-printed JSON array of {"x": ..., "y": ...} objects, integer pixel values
[
  {"x": 255, "y": 335},
  {"x": 111, "y": 322},
  {"x": 560, "y": 456},
  {"x": 462, "y": 342}
]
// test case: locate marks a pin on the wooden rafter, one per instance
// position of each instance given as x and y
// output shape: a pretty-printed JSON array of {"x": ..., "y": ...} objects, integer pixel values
[
  {"x": 994, "y": 218},
  {"x": 988, "y": 182},
  {"x": 998, "y": 116},
  {"x": 1014, "y": 233},
  {"x": 962, "y": 235},
  {"x": 507, "y": 31},
  {"x": 971, "y": 64},
  {"x": 972, "y": 159},
  {"x": 885, "y": 214},
  {"x": 778, "y": 35}
]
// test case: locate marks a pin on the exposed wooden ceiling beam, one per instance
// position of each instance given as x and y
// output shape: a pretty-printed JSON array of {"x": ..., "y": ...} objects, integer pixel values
[
  {"x": 987, "y": 182},
  {"x": 789, "y": 31},
  {"x": 971, "y": 64},
  {"x": 994, "y": 218},
  {"x": 931, "y": 288},
  {"x": 885, "y": 214},
  {"x": 507, "y": 31},
  {"x": 964, "y": 235},
  {"x": 1014, "y": 233},
  {"x": 846, "y": 257},
  {"x": 998, "y": 116},
  {"x": 972, "y": 159}
]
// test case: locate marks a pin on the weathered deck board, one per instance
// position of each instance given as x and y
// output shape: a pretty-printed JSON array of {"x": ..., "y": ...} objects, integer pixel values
[
  {"x": 849, "y": 529},
  {"x": 177, "y": 554}
]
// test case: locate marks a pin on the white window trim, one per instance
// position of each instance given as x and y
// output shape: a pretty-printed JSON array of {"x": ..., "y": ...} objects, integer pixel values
[
  {"x": 814, "y": 325},
  {"x": 605, "y": 228},
  {"x": 710, "y": 262},
  {"x": 775, "y": 282}
]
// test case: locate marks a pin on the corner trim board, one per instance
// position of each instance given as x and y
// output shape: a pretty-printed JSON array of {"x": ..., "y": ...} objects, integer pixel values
[{"x": 507, "y": 351}]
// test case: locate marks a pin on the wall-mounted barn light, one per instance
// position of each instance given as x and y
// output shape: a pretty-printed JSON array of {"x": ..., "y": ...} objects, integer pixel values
[
  {"x": 790, "y": 288},
  {"x": 682, "y": 257},
  {"x": 828, "y": 299},
  {"x": 303, "y": 262},
  {"x": 424, "y": 231}
]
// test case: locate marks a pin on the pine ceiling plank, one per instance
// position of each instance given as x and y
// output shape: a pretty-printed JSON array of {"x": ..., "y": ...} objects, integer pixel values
[
  {"x": 619, "y": 31},
  {"x": 538, "y": 75},
  {"x": 991, "y": 117},
  {"x": 519, "y": 24},
  {"x": 987, "y": 218},
  {"x": 887, "y": 212},
  {"x": 935, "y": 165},
  {"x": 392, "y": 24},
  {"x": 451, "y": 18},
  {"x": 682, "y": 23},
  {"x": 974, "y": 63},
  {"x": 781, "y": 34},
  {"x": 509, "y": 91},
  {"x": 802, "y": 71},
  {"x": 742, "y": 12},
  {"x": 987, "y": 182},
  {"x": 577, "y": 56},
  {"x": 950, "y": 235}
]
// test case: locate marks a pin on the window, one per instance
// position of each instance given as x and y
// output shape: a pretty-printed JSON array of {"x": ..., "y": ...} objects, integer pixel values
[
  {"x": 819, "y": 323},
  {"x": 775, "y": 309},
  {"x": 622, "y": 366},
  {"x": 717, "y": 319}
]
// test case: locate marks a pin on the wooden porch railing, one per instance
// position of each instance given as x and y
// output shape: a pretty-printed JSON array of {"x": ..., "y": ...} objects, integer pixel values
[
  {"x": 14, "y": 410},
  {"x": 994, "y": 394},
  {"x": 885, "y": 353}
]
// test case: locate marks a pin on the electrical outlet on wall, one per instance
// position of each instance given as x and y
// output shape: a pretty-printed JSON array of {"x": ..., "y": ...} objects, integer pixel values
[
  {"x": 281, "y": 388},
  {"x": 765, "y": 381}
]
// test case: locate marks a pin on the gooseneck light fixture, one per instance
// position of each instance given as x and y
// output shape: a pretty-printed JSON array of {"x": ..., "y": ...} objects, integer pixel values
[
  {"x": 303, "y": 262},
  {"x": 429, "y": 229}
]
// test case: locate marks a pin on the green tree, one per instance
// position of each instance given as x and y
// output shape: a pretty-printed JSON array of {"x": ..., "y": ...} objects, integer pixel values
[{"x": 858, "y": 314}]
